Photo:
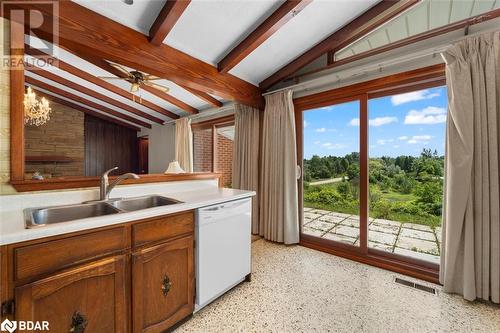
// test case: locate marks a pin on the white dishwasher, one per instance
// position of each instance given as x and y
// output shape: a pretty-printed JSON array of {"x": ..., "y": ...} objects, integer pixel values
[{"x": 223, "y": 248}]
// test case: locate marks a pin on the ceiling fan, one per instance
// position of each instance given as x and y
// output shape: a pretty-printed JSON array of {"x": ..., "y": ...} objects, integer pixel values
[{"x": 136, "y": 79}]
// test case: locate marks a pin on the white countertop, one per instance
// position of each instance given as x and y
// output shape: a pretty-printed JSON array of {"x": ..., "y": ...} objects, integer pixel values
[{"x": 12, "y": 228}]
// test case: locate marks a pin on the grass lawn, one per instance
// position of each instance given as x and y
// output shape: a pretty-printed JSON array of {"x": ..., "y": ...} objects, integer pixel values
[{"x": 388, "y": 196}]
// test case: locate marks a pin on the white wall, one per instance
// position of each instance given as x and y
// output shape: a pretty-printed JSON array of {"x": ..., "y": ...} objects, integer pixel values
[{"x": 161, "y": 146}]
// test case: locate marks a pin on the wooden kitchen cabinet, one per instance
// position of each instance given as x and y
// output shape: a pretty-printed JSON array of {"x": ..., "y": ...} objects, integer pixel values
[
  {"x": 89, "y": 298},
  {"x": 162, "y": 285},
  {"x": 132, "y": 277}
]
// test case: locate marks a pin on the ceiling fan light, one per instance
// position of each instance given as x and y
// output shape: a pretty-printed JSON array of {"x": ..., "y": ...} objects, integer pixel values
[{"x": 134, "y": 87}]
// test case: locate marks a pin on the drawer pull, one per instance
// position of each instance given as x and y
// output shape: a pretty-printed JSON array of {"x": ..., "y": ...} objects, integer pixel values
[
  {"x": 78, "y": 323},
  {"x": 166, "y": 285}
]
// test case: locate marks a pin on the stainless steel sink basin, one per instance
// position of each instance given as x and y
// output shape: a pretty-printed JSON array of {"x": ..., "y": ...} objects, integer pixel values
[
  {"x": 36, "y": 217},
  {"x": 131, "y": 204}
]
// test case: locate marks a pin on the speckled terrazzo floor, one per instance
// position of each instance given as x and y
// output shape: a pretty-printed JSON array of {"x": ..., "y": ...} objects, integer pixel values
[{"x": 295, "y": 289}]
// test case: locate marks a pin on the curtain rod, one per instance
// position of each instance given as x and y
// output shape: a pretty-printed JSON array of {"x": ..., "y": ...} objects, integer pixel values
[{"x": 356, "y": 71}]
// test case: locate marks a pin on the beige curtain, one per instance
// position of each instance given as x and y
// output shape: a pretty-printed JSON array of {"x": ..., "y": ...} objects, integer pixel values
[
  {"x": 246, "y": 155},
  {"x": 470, "y": 256},
  {"x": 279, "y": 220},
  {"x": 184, "y": 144}
]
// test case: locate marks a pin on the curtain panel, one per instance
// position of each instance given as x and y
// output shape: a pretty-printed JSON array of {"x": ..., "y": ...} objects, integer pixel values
[
  {"x": 184, "y": 144},
  {"x": 246, "y": 155},
  {"x": 279, "y": 219},
  {"x": 470, "y": 254}
]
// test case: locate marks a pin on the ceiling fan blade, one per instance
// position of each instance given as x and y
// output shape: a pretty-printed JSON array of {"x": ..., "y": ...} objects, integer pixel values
[
  {"x": 111, "y": 78},
  {"x": 121, "y": 68},
  {"x": 151, "y": 77},
  {"x": 156, "y": 86}
]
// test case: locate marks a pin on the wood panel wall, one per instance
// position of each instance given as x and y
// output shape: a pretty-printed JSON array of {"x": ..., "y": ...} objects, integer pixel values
[{"x": 108, "y": 145}]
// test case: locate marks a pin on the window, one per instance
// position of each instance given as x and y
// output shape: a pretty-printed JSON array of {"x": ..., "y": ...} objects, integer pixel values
[{"x": 213, "y": 148}]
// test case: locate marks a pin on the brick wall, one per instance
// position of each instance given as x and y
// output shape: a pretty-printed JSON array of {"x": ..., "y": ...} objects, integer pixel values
[
  {"x": 202, "y": 154},
  {"x": 224, "y": 159},
  {"x": 62, "y": 135},
  {"x": 202, "y": 150}
]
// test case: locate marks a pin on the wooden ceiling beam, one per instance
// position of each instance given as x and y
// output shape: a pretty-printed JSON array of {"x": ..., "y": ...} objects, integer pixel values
[
  {"x": 85, "y": 110},
  {"x": 360, "y": 26},
  {"x": 167, "y": 18},
  {"x": 204, "y": 96},
  {"x": 102, "y": 83},
  {"x": 89, "y": 92},
  {"x": 288, "y": 10},
  {"x": 43, "y": 85},
  {"x": 84, "y": 31}
]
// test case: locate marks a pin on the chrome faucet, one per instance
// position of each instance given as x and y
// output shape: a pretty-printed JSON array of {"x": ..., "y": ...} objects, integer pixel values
[{"x": 106, "y": 187}]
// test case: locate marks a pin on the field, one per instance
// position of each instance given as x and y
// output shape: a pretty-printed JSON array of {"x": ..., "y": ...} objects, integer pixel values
[{"x": 405, "y": 189}]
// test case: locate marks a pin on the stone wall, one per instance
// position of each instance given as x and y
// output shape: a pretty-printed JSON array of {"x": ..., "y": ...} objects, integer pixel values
[{"x": 62, "y": 135}]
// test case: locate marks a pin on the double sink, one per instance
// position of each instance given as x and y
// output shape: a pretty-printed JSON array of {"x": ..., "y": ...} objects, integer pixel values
[{"x": 37, "y": 217}]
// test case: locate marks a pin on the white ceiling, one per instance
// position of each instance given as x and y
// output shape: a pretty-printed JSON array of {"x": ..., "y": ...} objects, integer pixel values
[{"x": 209, "y": 29}]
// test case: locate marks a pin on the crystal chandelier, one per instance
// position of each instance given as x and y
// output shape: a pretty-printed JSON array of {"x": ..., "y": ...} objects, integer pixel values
[{"x": 36, "y": 112}]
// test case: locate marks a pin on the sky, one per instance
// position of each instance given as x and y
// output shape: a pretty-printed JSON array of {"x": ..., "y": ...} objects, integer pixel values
[{"x": 398, "y": 125}]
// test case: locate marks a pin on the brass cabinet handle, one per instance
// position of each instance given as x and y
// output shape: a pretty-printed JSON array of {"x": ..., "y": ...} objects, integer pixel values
[
  {"x": 78, "y": 323},
  {"x": 166, "y": 285}
]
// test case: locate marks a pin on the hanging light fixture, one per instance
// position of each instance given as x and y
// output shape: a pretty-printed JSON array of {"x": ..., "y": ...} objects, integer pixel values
[{"x": 36, "y": 112}]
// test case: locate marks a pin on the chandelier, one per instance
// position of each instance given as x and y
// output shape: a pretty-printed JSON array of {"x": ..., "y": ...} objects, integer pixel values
[{"x": 36, "y": 112}]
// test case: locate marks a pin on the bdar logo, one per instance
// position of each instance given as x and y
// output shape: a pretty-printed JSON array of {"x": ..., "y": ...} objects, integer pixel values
[{"x": 9, "y": 326}]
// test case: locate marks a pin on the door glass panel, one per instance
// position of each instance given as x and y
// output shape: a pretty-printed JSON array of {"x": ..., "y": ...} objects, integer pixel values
[
  {"x": 202, "y": 150},
  {"x": 331, "y": 173},
  {"x": 406, "y": 149},
  {"x": 224, "y": 154}
]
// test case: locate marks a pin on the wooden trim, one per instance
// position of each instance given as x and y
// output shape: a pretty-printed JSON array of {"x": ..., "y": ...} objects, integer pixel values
[
  {"x": 419, "y": 37},
  {"x": 363, "y": 174},
  {"x": 84, "y": 31},
  {"x": 168, "y": 16},
  {"x": 226, "y": 120},
  {"x": 366, "y": 22},
  {"x": 288, "y": 10},
  {"x": 104, "y": 84},
  {"x": 85, "y": 110},
  {"x": 374, "y": 258},
  {"x": 16, "y": 101},
  {"x": 204, "y": 96},
  {"x": 429, "y": 75},
  {"x": 85, "y": 101},
  {"x": 61, "y": 183},
  {"x": 89, "y": 92}
]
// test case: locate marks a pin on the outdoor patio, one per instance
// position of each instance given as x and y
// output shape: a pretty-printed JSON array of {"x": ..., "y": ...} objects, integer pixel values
[{"x": 408, "y": 239}]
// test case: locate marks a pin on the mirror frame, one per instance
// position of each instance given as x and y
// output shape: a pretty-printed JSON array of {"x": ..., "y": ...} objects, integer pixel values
[{"x": 17, "y": 151}]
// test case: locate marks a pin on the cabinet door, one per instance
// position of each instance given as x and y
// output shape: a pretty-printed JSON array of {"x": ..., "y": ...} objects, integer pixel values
[
  {"x": 89, "y": 298},
  {"x": 162, "y": 285}
]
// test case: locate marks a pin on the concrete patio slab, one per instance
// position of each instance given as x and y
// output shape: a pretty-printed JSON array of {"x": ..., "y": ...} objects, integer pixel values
[
  {"x": 390, "y": 229},
  {"x": 417, "y": 227},
  {"x": 418, "y": 255},
  {"x": 340, "y": 214},
  {"x": 313, "y": 232},
  {"x": 437, "y": 232},
  {"x": 320, "y": 225},
  {"x": 417, "y": 234},
  {"x": 331, "y": 219},
  {"x": 346, "y": 231},
  {"x": 339, "y": 238},
  {"x": 320, "y": 211},
  {"x": 350, "y": 222},
  {"x": 387, "y": 222},
  {"x": 381, "y": 237},
  {"x": 417, "y": 245},
  {"x": 311, "y": 216}
]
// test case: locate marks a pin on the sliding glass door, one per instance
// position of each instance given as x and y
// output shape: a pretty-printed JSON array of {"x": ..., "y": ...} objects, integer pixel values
[
  {"x": 372, "y": 182},
  {"x": 331, "y": 179}
]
